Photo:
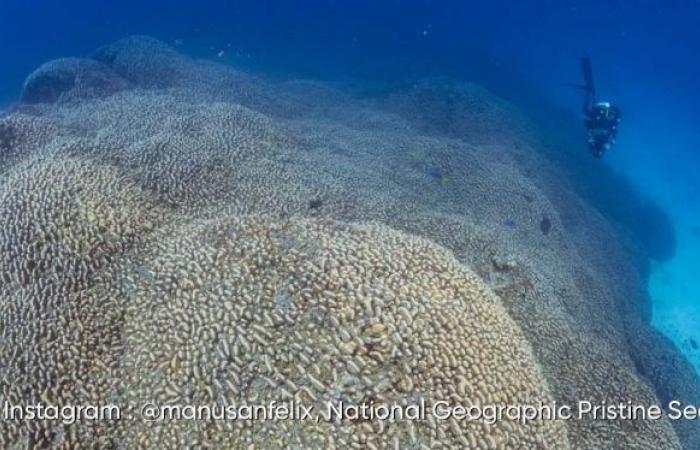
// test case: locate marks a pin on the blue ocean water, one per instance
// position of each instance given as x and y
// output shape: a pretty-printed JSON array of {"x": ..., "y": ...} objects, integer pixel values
[{"x": 645, "y": 56}]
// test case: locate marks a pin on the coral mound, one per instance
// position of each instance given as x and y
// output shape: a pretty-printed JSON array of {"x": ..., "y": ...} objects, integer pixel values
[
  {"x": 320, "y": 312},
  {"x": 200, "y": 235},
  {"x": 238, "y": 311},
  {"x": 143, "y": 60},
  {"x": 71, "y": 79}
]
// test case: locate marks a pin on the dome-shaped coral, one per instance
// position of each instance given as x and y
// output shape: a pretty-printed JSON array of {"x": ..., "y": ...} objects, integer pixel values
[
  {"x": 244, "y": 311},
  {"x": 240, "y": 311},
  {"x": 143, "y": 60},
  {"x": 70, "y": 79}
]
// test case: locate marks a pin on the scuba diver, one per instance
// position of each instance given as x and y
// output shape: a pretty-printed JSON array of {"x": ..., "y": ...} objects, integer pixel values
[{"x": 602, "y": 119}]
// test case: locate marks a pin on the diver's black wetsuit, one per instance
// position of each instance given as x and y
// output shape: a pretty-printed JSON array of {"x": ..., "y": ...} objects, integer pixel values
[
  {"x": 601, "y": 118},
  {"x": 602, "y": 121}
]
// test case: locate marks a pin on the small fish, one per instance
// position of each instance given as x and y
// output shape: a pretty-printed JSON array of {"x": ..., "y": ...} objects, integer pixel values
[
  {"x": 545, "y": 225},
  {"x": 510, "y": 223},
  {"x": 440, "y": 177},
  {"x": 693, "y": 343},
  {"x": 436, "y": 174}
]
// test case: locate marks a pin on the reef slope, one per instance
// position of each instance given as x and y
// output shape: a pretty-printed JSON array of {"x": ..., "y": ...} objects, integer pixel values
[{"x": 180, "y": 231}]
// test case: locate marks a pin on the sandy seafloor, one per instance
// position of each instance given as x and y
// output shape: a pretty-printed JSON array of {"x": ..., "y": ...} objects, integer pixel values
[{"x": 178, "y": 231}]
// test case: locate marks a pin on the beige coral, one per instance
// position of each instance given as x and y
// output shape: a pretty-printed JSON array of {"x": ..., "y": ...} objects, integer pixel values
[
  {"x": 63, "y": 221},
  {"x": 192, "y": 193},
  {"x": 239, "y": 310},
  {"x": 244, "y": 310}
]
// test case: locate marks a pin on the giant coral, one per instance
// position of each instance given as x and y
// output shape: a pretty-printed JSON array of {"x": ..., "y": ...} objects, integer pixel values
[
  {"x": 241, "y": 310},
  {"x": 253, "y": 311},
  {"x": 155, "y": 246}
]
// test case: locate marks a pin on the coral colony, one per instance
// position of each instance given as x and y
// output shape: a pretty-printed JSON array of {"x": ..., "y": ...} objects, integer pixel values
[{"x": 177, "y": 233}]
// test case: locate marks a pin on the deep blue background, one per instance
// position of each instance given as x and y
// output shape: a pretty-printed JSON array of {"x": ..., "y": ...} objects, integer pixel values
[{"x": 645, "y": 54}]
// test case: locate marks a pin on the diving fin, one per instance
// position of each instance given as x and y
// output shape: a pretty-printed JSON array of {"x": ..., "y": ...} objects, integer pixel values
[{"x": 586, "y": 68}]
